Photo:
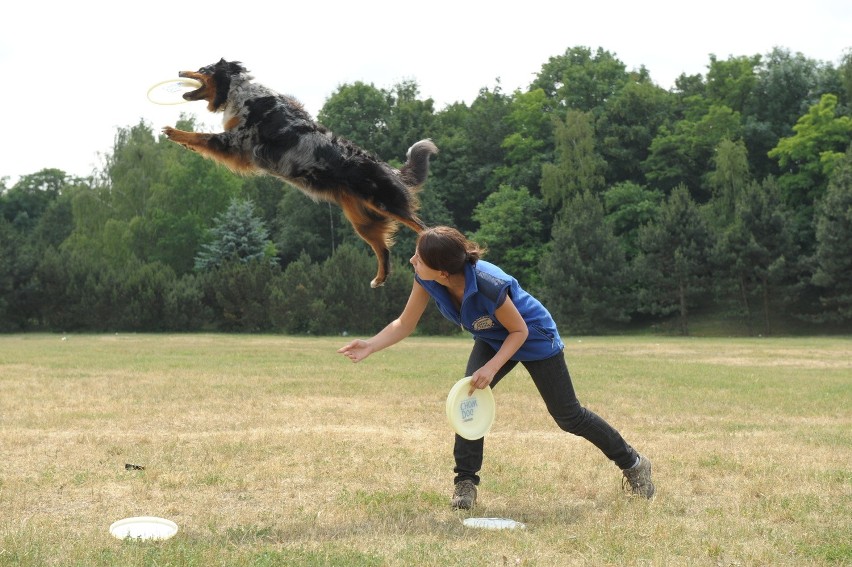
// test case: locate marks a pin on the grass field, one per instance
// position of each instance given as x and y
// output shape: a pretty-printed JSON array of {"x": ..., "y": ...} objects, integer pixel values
[{"x": 272, "y": 450}]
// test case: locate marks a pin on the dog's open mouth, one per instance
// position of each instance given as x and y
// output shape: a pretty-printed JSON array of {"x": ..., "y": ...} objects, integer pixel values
[{"x": 200, "y": 92}]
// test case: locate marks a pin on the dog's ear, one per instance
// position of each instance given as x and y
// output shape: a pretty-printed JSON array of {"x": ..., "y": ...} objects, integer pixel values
[
  {"x": 222, "y": 66},
  {"x": 224, "y": 72},
  {"x": 230, "y": 68},
  {"x": 236, "y": 67}
]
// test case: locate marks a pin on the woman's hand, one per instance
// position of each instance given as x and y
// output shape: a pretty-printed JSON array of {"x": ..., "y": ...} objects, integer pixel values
[
  {"x": 517, "y": 329},
  {"x": 481, "y": 379},
  {"x": 395, "y": 331},
  {"x": 357, "y": 350}
]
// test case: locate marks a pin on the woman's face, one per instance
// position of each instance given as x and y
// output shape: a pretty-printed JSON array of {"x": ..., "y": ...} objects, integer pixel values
[{"x": 422, "y": 270}]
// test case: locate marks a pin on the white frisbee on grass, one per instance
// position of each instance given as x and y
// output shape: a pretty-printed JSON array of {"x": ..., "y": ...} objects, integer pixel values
[
  {"x": 172, "y": 91},
  {"x": 470, "y": 416},
  {"x": 493, "y": 523},
  {"x": 143, "y": 527}
]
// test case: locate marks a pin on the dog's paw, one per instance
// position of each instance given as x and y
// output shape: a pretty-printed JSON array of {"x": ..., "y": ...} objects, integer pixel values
[
  {"x": 177, "y": 136},
  {"x": 376, "y": 283}
]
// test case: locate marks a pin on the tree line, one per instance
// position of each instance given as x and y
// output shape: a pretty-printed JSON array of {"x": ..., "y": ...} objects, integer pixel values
[{"x": 621, "y": 204}]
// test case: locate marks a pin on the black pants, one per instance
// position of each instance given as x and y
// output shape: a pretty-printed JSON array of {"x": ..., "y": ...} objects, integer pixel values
[{"x": 554, "y": 384}]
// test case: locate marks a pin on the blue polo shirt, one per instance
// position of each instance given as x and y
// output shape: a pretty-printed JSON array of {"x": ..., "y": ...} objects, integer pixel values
[{"x": 485, "y": 290}]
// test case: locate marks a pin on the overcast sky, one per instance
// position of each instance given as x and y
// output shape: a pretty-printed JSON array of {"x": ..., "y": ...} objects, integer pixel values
[{"x": 75, "y": 72}]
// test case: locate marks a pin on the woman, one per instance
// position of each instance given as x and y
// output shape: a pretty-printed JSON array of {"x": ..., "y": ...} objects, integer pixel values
[{"x": 509, "y": 326}]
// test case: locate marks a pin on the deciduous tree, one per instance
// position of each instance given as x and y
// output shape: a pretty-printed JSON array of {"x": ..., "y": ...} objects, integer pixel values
[
  {"x": 630, "y": 120},
  {"x": 511, "y": 226},
  {"x": 684, "y": 154},
  {"x": 629, "y": 207},
  {"x": 786, "y": 83},
  {"x": 358, "y": 112},
  {"x": 530, "y": 141},
  {"x": 808, "y": 157},
  {"x": 471, "y": 145},
  {"x": 581, "y": 79},
  {"x": 833, "y": 256}
]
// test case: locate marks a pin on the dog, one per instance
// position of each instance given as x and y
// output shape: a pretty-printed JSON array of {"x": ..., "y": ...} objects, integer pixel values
[{"x": 267, "y": 132}]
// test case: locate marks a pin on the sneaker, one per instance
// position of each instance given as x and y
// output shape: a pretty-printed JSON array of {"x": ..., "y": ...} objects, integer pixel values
[
  {"x": 639, "y": 478},
  {"x": 464, "y": 495}
]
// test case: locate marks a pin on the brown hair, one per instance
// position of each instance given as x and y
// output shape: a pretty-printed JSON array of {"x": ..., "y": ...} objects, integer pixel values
[{"x": 446, "y": 249}]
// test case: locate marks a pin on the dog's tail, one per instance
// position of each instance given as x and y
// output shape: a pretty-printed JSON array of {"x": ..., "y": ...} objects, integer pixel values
[{"x": 416, "y": 167}]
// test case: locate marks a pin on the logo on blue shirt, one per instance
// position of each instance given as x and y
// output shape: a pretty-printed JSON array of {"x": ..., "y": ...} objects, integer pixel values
[{"x": 483, "y": 323}]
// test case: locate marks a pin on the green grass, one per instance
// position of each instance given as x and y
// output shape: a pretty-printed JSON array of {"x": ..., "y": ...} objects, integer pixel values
[{"x": 272, "y": 450}]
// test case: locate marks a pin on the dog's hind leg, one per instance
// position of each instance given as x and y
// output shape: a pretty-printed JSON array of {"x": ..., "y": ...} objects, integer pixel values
[
  {"x": 410, "y": 220},
  {"x": 382, "y": 191},
  {"x": 375, "y": 230}
]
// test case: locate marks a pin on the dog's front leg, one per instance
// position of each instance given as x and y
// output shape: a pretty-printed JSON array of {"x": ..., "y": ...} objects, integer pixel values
[
  {"x": 217, "y": 147},
  {"x": 194, "y": 141}
]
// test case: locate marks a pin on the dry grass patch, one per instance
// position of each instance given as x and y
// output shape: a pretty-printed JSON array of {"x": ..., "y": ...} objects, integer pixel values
[{"x": 272, "y": 450}]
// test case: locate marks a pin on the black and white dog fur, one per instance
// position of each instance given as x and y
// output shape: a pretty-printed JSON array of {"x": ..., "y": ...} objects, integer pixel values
[{"x": 267, "y": 132}]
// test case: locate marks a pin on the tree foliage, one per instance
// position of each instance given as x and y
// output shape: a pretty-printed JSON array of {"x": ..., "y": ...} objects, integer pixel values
[
  {"x": 808, "y": 157},
  {"x": 673, "y": 261},
  {"x": 584, "y": 275},
  {"x": 581, "y": 79},
  {"x": 630, "y": 121},
  {"x": 511, "y": 227},
  {"x": 756, "y": 253},
  {"x": 614, "y": 199},
  {"x": 833, "y": 257},
  {"x": 684, "y": 155},
  {"x": 577, "y": 166},
  {"x": 629, "y": 207},
  {"x": 237, "y": 236},
  {"x": 729, "y": 177}
]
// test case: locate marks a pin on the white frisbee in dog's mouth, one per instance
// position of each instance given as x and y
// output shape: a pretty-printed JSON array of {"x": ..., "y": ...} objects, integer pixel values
[{"x": 172, "y": 91}]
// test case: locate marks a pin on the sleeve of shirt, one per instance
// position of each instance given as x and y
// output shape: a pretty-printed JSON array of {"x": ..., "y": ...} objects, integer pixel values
[
  {"x": 501, "y": 297},
  {"x": 493, "y": 288}
]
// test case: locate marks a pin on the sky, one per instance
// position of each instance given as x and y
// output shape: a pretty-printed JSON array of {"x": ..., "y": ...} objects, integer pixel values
[{"x": 76, "y": 72}]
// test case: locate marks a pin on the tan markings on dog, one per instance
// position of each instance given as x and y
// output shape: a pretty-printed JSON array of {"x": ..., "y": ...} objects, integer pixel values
[
  {"x": 373, "y": 231},
  {"x": 199, "y": 142},
  {"x": 378, "y": 233}
]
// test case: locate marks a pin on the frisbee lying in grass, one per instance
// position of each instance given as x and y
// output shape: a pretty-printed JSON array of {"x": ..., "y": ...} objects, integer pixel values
[
  {"x": 143, "y": 527},
  {"x": 171, "y": 91},
  {"x": 493, "y": 523},
  {"x": 470, "y": 416}
]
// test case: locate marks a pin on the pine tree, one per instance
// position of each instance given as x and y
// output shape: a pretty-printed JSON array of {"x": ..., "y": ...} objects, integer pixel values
[
  {"x": 757, "y": 252},
  {"x": 673, "y": 263},
  {"x": 238, "y": 235},
  {"x": 584, "y": 276}
]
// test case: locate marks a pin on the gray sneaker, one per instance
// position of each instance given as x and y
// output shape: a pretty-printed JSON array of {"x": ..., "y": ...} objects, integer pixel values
[
  {"x": 464, "y": 495},
  {"x": 639, "y": 478}
]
